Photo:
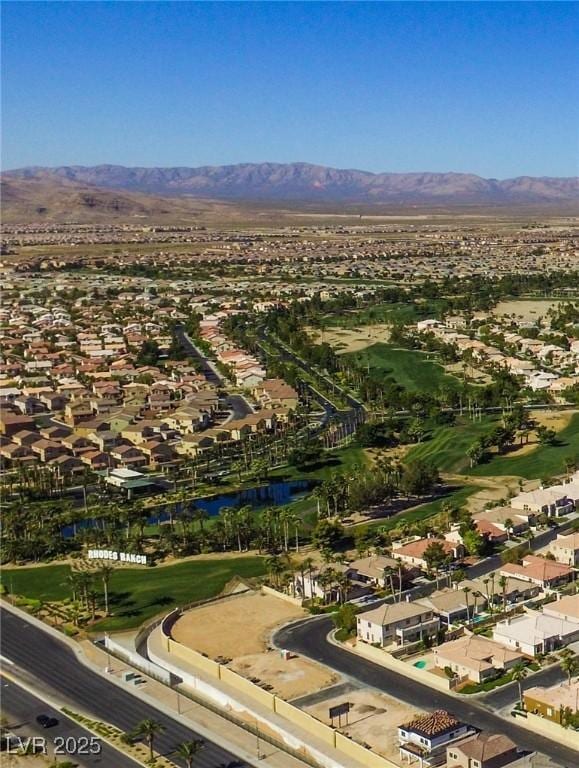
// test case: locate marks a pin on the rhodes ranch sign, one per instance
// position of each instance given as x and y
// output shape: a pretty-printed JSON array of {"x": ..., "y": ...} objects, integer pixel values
[{"x": 121, "y": 557}]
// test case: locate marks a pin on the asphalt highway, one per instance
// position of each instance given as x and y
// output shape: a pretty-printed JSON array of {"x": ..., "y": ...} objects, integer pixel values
[
  {"x": 21, "y": 710},
  {"x": 309, "y": 638},
  {"x": 57, "y": 671}
]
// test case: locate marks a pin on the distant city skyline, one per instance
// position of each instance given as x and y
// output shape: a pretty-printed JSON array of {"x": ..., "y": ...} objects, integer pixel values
[{"x": 482, "y": 88}]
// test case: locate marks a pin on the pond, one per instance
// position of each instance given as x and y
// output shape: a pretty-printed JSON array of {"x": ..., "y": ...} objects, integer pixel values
[{"x": 275, "y": 493}]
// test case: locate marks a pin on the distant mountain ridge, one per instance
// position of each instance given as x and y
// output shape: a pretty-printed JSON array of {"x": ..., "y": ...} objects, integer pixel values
[{"x": 303, "y": 181}]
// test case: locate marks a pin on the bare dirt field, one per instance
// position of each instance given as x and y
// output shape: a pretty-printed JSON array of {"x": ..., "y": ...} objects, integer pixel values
[
  {"x": 557, "y": 420},
  {"x": 373, "y": 719},
  {"x": 474, "y": 374},
  {"x": 289, "y": 678},
  {"x": 234, "y": 627},
  {"x": 527, "y": 310},
  {"x": 238, "y": 629},
  {"x": 351, "y": 340}
]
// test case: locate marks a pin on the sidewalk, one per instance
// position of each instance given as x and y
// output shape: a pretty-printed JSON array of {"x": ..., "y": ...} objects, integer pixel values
[
  {"x": 207, "y": 723},
  {"x": 254, "y": 709}
]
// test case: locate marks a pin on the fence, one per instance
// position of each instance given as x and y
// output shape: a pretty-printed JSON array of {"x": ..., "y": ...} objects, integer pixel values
[
  {"x": 550, "y": 730},
  {"x": 136, "y": 660},
  {"x": 215, "y": 671},
  {"x": 378, "y": 656}
]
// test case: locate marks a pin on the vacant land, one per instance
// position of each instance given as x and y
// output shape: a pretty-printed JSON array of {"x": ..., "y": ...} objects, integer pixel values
[
  {"x": 373, "y": 719},
  {"x": 410, "y": 368},
  {"x": 238, "y": 629},
  {"x": 287, "y": 678},
  {"x": 137, "y": 594},
  {"x": 345, "y": 341},
  {"x": 528, "y": 310},
  {"x": 234, "y": 627}
]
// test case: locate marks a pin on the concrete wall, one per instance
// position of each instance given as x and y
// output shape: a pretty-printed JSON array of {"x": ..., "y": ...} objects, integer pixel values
[
  {"x": 550, "y": 730},
  {"x": 308, "y": 723},
  {"x": 378, "y": 656},
  {"x": 136, "y": 660},
  {"x": 297, "y": 601}
]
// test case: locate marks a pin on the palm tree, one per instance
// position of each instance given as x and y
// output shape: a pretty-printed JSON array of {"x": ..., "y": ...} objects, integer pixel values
[
  {"x": 105, "y": 572},
  {"x": 570, "y": 665},
  {"x": 274, "y": 567},
  {"x": 307, "y": 565},
  {"x": 503, "y": 586},
  {"x": 508, "y": 527},
  {"x": 518, "y": 674},
  {"x": 466, "y": 591},
  {"x": 148, "y": 730},
  {"x": 188, "y": 750}
]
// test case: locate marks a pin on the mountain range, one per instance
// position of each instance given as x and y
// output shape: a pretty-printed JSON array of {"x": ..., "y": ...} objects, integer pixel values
[{"x": 309, "y": 183}]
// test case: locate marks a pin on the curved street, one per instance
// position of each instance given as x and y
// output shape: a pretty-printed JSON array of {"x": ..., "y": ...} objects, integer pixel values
[{"x": 308, "y": 637}]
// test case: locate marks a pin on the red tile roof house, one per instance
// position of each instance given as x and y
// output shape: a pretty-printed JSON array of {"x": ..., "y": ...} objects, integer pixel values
[
  {"x": 17, "y": 454},
  {"x": 48, "y": 450},
  {"x": 11, "y": 423},
  {"x": 485, "y": 750},
  {"x": 539, "y": 570},
  {"x": 413, "y": 552},
  {"x": 426, "y": 737},
  {"x": 129, "y": 456},
  {"x": 97, "y": 460}
]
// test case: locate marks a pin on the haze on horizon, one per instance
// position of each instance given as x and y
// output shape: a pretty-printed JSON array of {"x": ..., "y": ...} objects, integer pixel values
[{"x": 481, "y": 88}]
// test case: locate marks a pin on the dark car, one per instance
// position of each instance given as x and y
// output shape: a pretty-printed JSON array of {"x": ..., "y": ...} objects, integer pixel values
[{"x": 45, "y": 721}]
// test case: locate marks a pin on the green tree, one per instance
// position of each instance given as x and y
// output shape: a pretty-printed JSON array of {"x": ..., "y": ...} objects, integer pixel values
[
  {"x": 518, "y": 674},
  {"x": 149, "y": 730},
  {"x": 188, "y": 751}
]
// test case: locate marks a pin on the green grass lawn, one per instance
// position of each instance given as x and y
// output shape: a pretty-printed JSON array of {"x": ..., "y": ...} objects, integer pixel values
[
  {"x": 447, "y": 446},
  {"x": 457, "y": 498},
  {"x": 410, "y": 368},
  {"x": 136, "y": 595},
  {"x": 542, "y": 461}
]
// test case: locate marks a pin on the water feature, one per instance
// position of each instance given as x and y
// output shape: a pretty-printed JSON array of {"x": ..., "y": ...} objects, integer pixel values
[{"x": 276, "y": 493}]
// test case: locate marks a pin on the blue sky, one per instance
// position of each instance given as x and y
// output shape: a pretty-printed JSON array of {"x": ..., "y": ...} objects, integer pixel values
[{"x": 489, "y": 88}]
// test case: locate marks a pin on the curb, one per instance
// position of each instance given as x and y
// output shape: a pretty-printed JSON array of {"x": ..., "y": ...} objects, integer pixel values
[
  {"x": 202, "y": 730},
  {"x": 60, "y": 707}
]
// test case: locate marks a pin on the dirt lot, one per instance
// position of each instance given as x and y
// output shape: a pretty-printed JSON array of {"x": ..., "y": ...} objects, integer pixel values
[
  {"x": 527, "y": 310},
  {"x": 373, "y": 719},
  {"x": 557, "y": 421},
  {"x": 289, "y": 679},
  {"x": 238, "y": 629},
  {"x": 234, "y": 627},
  {"x": 352, "y": 340}
]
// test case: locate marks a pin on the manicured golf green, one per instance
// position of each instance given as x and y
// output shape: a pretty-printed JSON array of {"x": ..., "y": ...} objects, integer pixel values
[
  {"x": 410, "y": 368},
  {"x": 447, "y": 446},
  {"x": 137, "y": 594},
  {"x": 456, "y": 498},
  {"x": 542, "y": 461}
]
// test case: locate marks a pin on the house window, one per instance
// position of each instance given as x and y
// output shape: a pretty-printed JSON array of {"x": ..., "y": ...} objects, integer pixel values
[
  {"x": 549, "y": 711},
  {"x": 453, "y": 755}
]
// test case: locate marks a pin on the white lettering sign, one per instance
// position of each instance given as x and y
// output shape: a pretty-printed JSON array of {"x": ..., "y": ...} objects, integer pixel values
[{"x": 123, "y": 557}]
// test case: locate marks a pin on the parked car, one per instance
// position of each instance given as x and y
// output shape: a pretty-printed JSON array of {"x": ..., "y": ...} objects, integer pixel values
[{"x": 45, "y": 721}]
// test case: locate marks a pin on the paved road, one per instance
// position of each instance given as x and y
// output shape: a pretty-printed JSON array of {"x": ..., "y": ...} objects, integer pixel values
[
  {"x": 58, "y": 671},
  {"x": 238, "y": 405},
  {"x": 207, "y": 368},
  {"x": 508, "y": 695},
  {"x": 21, "y": 709},
  {"x": 309, "y": 638}
]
